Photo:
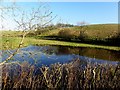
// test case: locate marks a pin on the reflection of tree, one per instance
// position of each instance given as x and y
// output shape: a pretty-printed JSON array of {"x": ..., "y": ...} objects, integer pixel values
[
  {"x": 82, "y": 51},
  {"x": 67, "y": 50},
  {"x": 63, "y": 50},
  {"x": 100, "y": 54},
  {"x": 49, "y": 50},
  {"x": 115, "y": 55},
  {"x": 88, "y": 52}
]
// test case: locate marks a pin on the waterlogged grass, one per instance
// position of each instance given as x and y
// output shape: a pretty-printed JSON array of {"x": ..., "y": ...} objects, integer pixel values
[{"x": 13, "y": 42}]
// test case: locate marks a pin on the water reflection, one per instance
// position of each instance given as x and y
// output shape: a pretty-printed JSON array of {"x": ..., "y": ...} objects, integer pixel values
[
  {"x": 91, "y": 52},
  {"x": 82, "y": 51},
  {"x": 51, "y": 54}
]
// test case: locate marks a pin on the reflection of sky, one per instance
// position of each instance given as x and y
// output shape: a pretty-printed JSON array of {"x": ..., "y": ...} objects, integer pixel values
[{"x": 36, "y": 55}]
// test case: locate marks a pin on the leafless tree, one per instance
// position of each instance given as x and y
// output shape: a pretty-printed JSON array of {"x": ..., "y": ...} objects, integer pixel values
[
  {"x": 28, "y": 21},
  {"x": 82, "y": 25}
]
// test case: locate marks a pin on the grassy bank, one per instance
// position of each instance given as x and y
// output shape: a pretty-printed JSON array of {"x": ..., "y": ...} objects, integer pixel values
[{"x": 12, "y": 42}]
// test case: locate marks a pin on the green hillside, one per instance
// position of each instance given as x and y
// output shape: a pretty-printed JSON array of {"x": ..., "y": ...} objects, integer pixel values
[
  {"x": 101, "y": 33},
  {"x": 102, "y": 36},
  {"x": 93, "y": 31}
]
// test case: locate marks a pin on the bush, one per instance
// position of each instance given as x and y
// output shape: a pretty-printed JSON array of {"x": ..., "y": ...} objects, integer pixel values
[
  {"x": 67, "y": 34},
  {"x": 30, "y": 34},
  {"x": 83, "y": 35}
]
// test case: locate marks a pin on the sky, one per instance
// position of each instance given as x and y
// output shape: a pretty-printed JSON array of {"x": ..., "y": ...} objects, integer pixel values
[
  {"x": 72, "y": 12},
  {"x": 62, "y": 0},
  {"x": 91, "y": 12}
]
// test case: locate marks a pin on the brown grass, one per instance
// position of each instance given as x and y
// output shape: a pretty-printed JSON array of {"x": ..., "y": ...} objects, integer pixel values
[{"x": 63, "y": 76}]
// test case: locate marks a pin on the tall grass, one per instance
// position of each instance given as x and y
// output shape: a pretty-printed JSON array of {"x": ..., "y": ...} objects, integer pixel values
[{"x": 72, "y": 75}]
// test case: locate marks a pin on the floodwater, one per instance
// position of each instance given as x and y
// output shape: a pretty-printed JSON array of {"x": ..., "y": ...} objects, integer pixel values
[{"x": 47, "y": 55}]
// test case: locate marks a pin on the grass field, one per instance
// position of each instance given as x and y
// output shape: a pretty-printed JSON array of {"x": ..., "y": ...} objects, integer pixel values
[
  {"x": 12, "y": 42},
  {"x": 11, "y": 39}
]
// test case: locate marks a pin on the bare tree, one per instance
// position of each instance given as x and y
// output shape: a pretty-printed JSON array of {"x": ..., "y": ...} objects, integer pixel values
[
  {"x": 28, "y": 21},
  {"x": 82, "y": 25}
]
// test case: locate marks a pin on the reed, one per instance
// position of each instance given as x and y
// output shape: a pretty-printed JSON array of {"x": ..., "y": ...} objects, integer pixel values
[{"x": 72, "y": 75}]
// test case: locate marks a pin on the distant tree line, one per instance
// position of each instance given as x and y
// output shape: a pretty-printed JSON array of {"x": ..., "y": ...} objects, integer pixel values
[{"x": 55, "y": 26}]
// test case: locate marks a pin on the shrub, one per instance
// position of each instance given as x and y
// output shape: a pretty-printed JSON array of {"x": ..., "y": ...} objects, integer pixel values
[
  {"x": 30, "y": 34},
  {"x": 82, "y": 35},
  {"x": 67, "y": 34}
]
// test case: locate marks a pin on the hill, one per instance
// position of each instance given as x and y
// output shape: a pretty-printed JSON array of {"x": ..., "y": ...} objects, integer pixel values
[{"x": 96, "y": 34}]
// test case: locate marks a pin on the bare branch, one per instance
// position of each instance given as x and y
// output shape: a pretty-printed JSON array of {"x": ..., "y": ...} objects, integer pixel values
[
  {"x": 29, "y": 22},
  {"x": 21, "y": 43}
]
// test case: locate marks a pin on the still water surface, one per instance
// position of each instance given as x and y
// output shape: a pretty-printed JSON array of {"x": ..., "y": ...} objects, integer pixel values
[{"x": 46, "y": 55}]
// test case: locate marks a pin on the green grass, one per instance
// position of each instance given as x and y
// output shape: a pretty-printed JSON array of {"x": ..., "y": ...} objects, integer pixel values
[
  {"x": 14, "y": 41},
  {"x": 11, "y": 39},
  {"x": 11, "y": 33},
  {"x": 100, "y": 31}
]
